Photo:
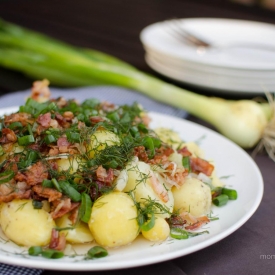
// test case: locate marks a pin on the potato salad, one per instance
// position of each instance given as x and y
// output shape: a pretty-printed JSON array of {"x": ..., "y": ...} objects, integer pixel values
[{"x": 94, "y": 172}]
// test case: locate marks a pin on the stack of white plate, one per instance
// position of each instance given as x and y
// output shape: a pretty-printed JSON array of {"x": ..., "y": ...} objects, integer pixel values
[{"x": 241, "y": 61}]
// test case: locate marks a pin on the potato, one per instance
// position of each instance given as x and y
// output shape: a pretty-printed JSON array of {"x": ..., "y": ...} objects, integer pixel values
[
  {"x": 79, "y": 234},
  {"x": 100, "y": 139},
  {"x": 193, "y": 196},
  {"x": 169, "y": 136},
  {"x": 142, "y": 181},
  {"x": 25, "y": 225},
  {"x": 70, "y": 164},
  {"x": 113, "y": 220},
  {"x": 159, "y": 232}
]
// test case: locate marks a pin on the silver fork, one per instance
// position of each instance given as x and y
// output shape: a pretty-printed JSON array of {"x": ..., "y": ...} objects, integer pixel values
[{"x": 176, "y": 30}]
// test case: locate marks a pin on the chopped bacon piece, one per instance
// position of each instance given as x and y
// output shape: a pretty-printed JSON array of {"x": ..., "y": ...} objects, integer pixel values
[
  {"x": 63, "y": 145},
  {"x": 40, "y": 91},
  {"x": 184, "y": 152},
  {"x": 96, "y": 119},
  {"x": 140, "y": 152},
  {"x": 199, "y": 223},
  {"x": 8, "y": 136},
  {"x": 15, "y": 195},
  {"x": 68, "y": 115},
  {"x": 105, "y": 176},
  {"x": 36, "y": 173},
  {"x": 24, "y": 118},
  {"x": 200, "y": 165},
  {"x": 62, "y": 120},
  {"x": 62, "y": 207},
  {"x": 74, "y": 215},
  {"x": 45, "y": 192},
  {"x": 44, "y": 120},
  {"x": 58, "y": 240}
]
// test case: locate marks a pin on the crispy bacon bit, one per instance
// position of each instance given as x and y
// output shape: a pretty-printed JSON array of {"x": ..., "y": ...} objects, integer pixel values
[
  {"x": 184, "y": 152},
  {"x": 200, "y": 165},
  {"x": 36, "y": 173},
  {"x": 49, "y": 193},
  {"x": 63, "y": 145},
  {"x": 41, "y": 91},
  {"x": 62, "y": 207},
  {"x": 105, "y": 176},
  {"x": 62, "y": 121},
  {"x": 24, "y": 118},
  {"x": 74, "y": 215},
  {"x": 68, "y": 115},
  {"x": 44, "y": 120},
  {"x": 199, "y": 223},
  {"x": 96, "y": 119},
  {"x": 58, "y": 240},
  {"x": 8, "y": 136},
  {"x": 15, "y": 195},
  {"x": 140, "y": 152},
  {"x": 107, "y": 106}
]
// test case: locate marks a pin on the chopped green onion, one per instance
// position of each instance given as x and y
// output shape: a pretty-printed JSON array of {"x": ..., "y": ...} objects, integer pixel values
[
  {"x": 70, "y": 191},
  {"x": 37, "y": 204},
  {"x": 114, "y": 116},
  {"x": 186, "y": 163},
  {"x": 73, "y": 136},
  {"x": 47, "y": 183},
  {"x": 52, "y": 254},
  {"x": 112, "y": 164},
  {"x": 26, "y": 140},
  {"x": 220, "y": 200},
  {"x": 149, "y": 144},
  {"x": 56, "y": 185},
  {"x": 178, "y": 233},
  {"x": 85, "y": 208},
  {"x": 15, "y": 125},
  {"x": 49, "y": 139},
  {"x": 231, "y": 193},
  {"x": 97, "y": 252},
  {"x": 35, "y": 250},
  {"x": 6, "y": 176},
  {"x": 149, "y": 224}
]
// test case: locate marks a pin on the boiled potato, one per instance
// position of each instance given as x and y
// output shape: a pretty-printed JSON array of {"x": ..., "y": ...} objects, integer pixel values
[
  {"x": 70, "y": 164},
  {"x": 25, "y": 225},
  {"x": 100, "y": 139},
  {"x": 147, "y": 184},
  {"x": 113, "y": 220},
  {"x": 159, "y": 232},
  {"x": 80, "y": 232},
  {"x": 169, "y": 136},
  {"x": 193, "y": 196}
]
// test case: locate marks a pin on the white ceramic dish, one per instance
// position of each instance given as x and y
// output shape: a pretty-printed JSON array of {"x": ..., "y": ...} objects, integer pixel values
[
  {"x": 220, "y": 32},
  {"x": 210, "y": 80},
  {"x": 230, "y": 161}
]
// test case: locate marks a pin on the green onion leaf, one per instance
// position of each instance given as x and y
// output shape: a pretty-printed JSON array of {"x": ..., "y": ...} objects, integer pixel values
[
  {"x": 26, "y": 140},
  {"x": 56, "y": 185},
  {"x": 178, "y": 233},
  {"x": 15, "y": 125},
  {"x": 85, "y": 208},
  {"x": 49, "y": 139},
  {"x": 220, "y": 200},
  {"x": 47, "y": 184},
  {"x": 186, "y": 163},
  {"x": 6, "y": 176},
  {"x": 97, "y": 252},
  {"x": 35, "y": 250},
  {"x": 52, "y": 254},
  {"x": 231, "y": 193},
  {"x": 149, "y": 224},
  {"x": 70, "y": 191},
  {"x": 37, "y": 204}
]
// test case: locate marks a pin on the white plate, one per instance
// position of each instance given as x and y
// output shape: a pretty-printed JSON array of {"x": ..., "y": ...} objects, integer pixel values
[
  {"x": 210, "y": 80},
  {"x": 230, "y": 160},
  {"x": 217, "y": 31}
]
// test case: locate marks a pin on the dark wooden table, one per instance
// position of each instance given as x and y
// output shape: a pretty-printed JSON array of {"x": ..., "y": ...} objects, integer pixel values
[{"x": 114, "y": 27}]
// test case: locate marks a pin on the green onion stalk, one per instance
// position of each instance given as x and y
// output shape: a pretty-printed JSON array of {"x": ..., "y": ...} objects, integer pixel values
[{"x": 245, "y": 122}]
